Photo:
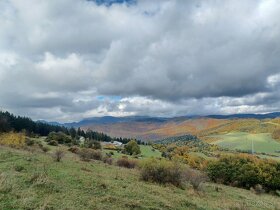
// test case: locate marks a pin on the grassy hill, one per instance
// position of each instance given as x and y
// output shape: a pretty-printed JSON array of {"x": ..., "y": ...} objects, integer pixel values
[
  {"x": 262, "y": 142},
  {"x": 32, "y": 180},
  {"x": 201, "y": 127}
]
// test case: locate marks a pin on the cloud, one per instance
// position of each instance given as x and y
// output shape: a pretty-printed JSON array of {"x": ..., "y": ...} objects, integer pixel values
[{"x": 157, "y": 57}]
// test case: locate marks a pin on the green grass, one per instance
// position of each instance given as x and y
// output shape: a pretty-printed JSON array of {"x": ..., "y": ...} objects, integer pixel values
[
  {"x": 73, "y": 184},
  {"x": 146, "y": 152},
  {"x": 241, "y": 140}
]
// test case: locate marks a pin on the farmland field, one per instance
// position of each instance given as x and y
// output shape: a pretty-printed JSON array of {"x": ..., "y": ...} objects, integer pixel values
[{"x": 262, "y": 142}]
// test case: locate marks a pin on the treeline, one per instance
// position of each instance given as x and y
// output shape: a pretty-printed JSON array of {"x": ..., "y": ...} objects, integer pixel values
[
  {"x": 10, "y": 122},
  {"x": 94, "y": 135}
]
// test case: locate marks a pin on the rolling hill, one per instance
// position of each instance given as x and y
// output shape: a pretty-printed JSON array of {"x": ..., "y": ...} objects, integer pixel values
[{"x": 204, "y": 128}]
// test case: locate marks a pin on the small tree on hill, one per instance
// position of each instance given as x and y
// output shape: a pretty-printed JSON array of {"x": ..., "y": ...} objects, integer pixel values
[
  {"x": 97, "y": 145},
  {"x": 132, "y": 148}
]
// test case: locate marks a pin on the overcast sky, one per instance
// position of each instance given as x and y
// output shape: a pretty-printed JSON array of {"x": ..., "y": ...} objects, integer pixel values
[{"x": 64, "y": 60}]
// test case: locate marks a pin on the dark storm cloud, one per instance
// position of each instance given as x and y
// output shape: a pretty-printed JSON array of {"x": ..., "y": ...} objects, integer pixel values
[{"x": 161, "y": 57}]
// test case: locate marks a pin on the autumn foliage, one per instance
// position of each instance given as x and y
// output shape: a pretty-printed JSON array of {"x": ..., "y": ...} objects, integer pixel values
[
  {"x": 245, "y": 171},
  {"x": 12, "y": 139}
]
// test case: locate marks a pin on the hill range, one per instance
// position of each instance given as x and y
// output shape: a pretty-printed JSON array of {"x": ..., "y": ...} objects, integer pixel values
[{"x": 205, "y": 127}]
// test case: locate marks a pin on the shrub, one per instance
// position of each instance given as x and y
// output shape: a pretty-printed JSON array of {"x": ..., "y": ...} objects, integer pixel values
[
  {"x": 97, "y": 145},
  {"x": 45, "y": 149},
  {"x": 88, "y": 154},
  {"x": 246, "y": 171},
  {"x": 194, "y": 177},
  {"x": 59, "y": 137},
  {"x": 74, "y": 150},
  {"x": 58, "y": 155},
  {"x": 276, "y": 134},
  {"x": 258, "y": 189},
  {"x": 132, "y": 148},
  {"x": 126, "y": 163},
  {"x": 108, "y": 160},
  {"x": 29, "y": 142},
  {"x": 84, "y": 154},
  {"x": 96, "y": 155},
  {"x": 53, "y": 143},
  {"x": 12, "y": 139},
  {"x": 161, "y": 171}
]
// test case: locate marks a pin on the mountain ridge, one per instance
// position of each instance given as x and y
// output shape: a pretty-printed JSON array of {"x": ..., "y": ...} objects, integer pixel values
[{"x": 111, "y": 119}]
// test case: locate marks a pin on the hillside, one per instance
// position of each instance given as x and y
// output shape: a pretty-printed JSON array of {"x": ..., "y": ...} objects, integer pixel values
[
  {"x": 157, "y": 130},
  {"x": 202, "y": 127},
  {"x": 32, "y": 180}
]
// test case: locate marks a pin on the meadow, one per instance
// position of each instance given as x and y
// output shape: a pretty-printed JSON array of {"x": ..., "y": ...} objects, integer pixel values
[
  {"x": 262, "y": 142},
  {"x": 33, "y": 180},
  {"x": 147, "y": 151}
]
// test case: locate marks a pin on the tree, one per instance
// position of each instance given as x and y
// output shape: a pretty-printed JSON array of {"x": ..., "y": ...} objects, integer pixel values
[
  {"x": 72, "y": 132},
  {"x": 96, "y": 145},
  {"x": 132, "y": 148}
]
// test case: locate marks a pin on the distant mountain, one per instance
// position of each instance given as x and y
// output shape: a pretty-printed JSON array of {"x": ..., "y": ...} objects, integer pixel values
[
  {"x": 111, "y": 120},
  {"x": 245, "y": 116},
  {"x": 147, "y": 119},
  {"x": 156, "y": 128}
]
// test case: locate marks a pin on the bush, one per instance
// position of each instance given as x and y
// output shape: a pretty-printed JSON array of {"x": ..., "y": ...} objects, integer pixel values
[
  {"x": 276, "y": 134},
  {"x": 29, "y": 142},
  {"x": 84, "y": 154},
  {"x": 97, "y": 145},
  {"x": 194, "y": 177},
  {"x": 45, "y": 149},
  {"x": 58, "y": 155},
  {"x": 245, "y": 171},
  {"x": 13, "y": 139},
  {"x": 162, "y": 171},
  {"x": 132, "y": 148},
  {"x": 126, "y": 163},
  {"x": 74, "y": 150},
  {"x": 258, "y": 189},
  {"x": 88, "y": 154},
  {"x": 59, "y": 137},
  {"x": 96, "y": 155},
  {"x": 108, "y": 160},
  {"x": 53, "y": 143}
]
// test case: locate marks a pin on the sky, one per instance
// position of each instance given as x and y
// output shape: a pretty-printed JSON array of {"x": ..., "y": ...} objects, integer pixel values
[{"x": 65, "y": 60}]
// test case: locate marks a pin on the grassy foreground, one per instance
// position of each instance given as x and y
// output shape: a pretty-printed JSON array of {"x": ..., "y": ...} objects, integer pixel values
[{"x": 32, "y": 180}]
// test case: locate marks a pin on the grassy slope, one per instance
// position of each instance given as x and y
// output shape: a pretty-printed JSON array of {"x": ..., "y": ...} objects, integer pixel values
[
  {"x": 146, "y": 152},
  {"x": 72, "y": 184},
  {"x": 242, "y": 140}
]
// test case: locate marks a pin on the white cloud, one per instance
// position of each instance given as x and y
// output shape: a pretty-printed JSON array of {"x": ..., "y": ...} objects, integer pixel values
[{"x": 160, "y": 57}]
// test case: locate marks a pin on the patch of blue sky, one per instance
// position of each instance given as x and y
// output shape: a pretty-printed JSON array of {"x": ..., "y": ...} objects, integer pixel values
[
  {"x": 110, "y": 2},
  {"x": 111, "y": 98}
]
